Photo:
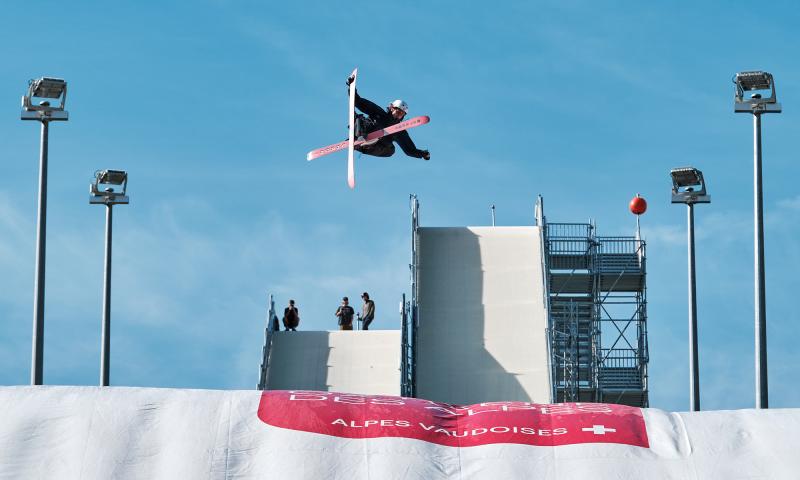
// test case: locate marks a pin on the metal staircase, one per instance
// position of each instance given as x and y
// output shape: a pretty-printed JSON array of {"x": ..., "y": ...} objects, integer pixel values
[{"x": 597, "y": 314}]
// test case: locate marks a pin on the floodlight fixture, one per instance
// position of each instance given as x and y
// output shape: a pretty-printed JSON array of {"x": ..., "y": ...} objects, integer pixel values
[
  {"x": 45, "y": 87},
  {"x": 688, "y": 186},
  {"x": 106, "y": 195},
  {"x": 757, "y": 103},
  {"x": 755, "y": 80},
  {"x": 113, "y": 177}
]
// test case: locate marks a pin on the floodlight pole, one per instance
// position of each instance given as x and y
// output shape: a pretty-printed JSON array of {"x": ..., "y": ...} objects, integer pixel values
[
  {"x": 762, "y": 387},
  {"x": 759, "y": 288},
  {"x": 758, "y": 106},
  {"x": 37, "y": 355},
  {"x": 109, "y": 199},
  {"x": 44, "y": 87},
  {"x": 694, "y": 192},
  {"x": 694, "y": 368},
  {"x": 105, "y": 354}
]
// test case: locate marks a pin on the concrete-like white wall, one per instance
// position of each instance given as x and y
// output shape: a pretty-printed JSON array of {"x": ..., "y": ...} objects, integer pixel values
[
  {"x": 482, "y": 317},
  {"x": 366, "y": 362}
]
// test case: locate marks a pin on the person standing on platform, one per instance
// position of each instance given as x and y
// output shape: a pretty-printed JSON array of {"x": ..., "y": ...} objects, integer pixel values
[
  {"x": 367, "y": 311},
  {"x": 291, "y": 317},
  {"x": 345, "y": 314}
]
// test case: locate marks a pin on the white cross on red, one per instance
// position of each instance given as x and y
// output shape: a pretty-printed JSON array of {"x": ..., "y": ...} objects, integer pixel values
[{"x": 599, "y": 429}]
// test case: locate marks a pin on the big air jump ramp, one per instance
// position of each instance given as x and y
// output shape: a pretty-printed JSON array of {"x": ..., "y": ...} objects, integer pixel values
[
  {"x": 481, "y": 334},
  {"x": 103, "y": 433}
]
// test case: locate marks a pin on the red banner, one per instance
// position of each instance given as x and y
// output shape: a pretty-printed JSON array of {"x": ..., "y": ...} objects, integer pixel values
[{"x": 373, "y": 416}]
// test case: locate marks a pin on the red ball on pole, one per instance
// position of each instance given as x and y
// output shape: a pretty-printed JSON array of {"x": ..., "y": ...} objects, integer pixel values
[{"x": 638, "y": 205}]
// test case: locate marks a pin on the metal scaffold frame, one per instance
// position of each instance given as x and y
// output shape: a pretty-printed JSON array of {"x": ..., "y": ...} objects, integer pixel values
[
  {"x": 410, "y": 314},
  {"x": 265, "y": 351},
  {"x": 622, "y": 316},
  {"x": 597, "y": 314}
]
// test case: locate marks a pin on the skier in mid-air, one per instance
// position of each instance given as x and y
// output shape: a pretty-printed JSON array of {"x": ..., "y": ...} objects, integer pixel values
[{"x": 376, "y": 118}]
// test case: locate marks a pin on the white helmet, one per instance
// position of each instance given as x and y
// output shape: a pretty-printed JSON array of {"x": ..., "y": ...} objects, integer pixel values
[{"x": 400, "y": 104}]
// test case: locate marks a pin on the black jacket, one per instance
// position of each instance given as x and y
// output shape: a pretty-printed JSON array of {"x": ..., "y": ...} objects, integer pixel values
[
  {"x": 384, "y": 119},
  {"x": 345, "y": 314},
  {"x": 291, "y": 319}
]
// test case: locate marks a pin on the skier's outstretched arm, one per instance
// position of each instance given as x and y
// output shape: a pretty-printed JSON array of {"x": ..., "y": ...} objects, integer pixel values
[{"x": 404, "y": 140}]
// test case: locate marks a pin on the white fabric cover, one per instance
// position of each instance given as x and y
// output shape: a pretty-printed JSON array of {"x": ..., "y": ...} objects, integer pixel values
[{"x": 144, "y": 433}]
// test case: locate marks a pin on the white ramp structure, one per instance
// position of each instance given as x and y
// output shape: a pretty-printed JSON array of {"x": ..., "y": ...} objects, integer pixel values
[
  {"x": 100, "y": 433},
  {"x": 365, "y": 362},
  {"x": 482, "y": 318}
]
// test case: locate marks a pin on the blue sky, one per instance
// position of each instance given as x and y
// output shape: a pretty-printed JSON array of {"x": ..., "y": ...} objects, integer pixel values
[{"x": 212, "y": 105}]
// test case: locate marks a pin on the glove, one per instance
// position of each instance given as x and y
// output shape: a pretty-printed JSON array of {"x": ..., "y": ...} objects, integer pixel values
[{"x": 426, "y": 155}]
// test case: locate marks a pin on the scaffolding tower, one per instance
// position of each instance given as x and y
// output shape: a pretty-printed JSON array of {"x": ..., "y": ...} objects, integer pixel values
[{"x": 597, "y": 306}]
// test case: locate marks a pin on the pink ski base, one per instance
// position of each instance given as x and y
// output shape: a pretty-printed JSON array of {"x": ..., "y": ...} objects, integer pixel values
[
  {"x": 404, "y": 125},
  {"x": 351, "y": 172}
]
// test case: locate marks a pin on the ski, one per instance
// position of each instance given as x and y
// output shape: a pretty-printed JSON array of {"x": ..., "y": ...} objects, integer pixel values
[
  {"x": 399, "y": 127},
  {"x": 351, "y": 174}
]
